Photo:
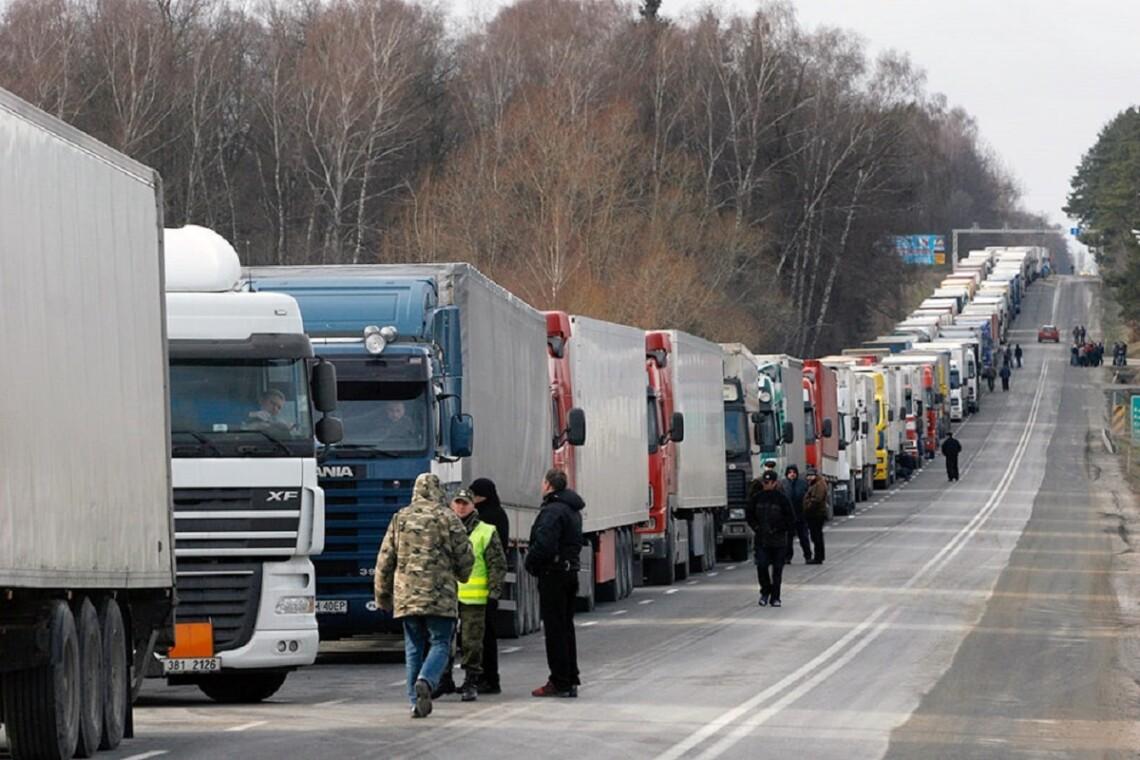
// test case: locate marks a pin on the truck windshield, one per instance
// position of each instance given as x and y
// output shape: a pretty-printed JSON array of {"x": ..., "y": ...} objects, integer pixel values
[
  {"x": 769, "y": 437},
  {"x": 809, "y": 424},
  {"x": 736, "y": 443},
  {"x": 240, "y": 408},
  {"x": 654, "y": 428},
  {"x": 955, "y": 379},
  {"x": 389, "y": 417}
]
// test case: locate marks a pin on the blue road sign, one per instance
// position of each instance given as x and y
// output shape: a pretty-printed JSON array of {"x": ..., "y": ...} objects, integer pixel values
[{"x": 1074, "y": 231}]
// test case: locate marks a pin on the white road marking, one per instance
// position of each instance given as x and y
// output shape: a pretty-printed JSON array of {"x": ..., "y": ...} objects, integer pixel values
[
  {"x": 401, "y": 682},
  {"x": 683, "y": 747},
  {"x": 619, "y": 612},
  {"x": 711, "y": 574},
  {"x": 731, "y": 567},
  {"x": 646, "y": 601},
  {"x": 589, "y": 623},
  {"x": 672, "y": 590},
  {"x": 510, "y": 650},
  {"x": 333, "y": 702},
  {"x": 692, "y": 583},
  {"x": 247, "y": 726},
  {"x": 145, "y": 755}
]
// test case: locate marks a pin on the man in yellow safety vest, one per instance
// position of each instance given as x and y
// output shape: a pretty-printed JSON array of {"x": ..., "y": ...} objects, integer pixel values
[{"x": 486, "y": 582}]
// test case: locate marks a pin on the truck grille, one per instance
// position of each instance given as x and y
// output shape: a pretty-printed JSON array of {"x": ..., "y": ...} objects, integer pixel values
[
  {"x": 737, "y": 488},
  {"x": 224, "y": 593},
  {"x": 236, "y": 522},
  {"x": 357, "y": 513}
]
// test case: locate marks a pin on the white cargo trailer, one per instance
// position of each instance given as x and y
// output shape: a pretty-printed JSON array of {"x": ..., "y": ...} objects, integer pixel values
[{"x": 86, "y": 537}]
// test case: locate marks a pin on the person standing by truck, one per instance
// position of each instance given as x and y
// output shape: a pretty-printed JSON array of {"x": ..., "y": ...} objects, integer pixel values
[
  {"x": 554, "y": 558},
  {"x": 491, "y": 511},
  {"x": 1005, "y": 373},
  {"x": 951, "y": 448},
  {"x": 423, "y": 558},
  {"x": 815, "y": 513},
  {"x": 485, "y": 583},
  {"x": 795, "y": 488},
  {"x": 1017, "y": 354},
  {"x": 771, "y": 518}
]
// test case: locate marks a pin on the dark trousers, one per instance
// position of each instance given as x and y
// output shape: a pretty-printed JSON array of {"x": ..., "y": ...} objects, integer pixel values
[
  {"x": 1018, "y": 359},
  {"x": 802, "y": 532},
  {"x": 557, "y": 595},
  {"x": 990, "y": 382},
  {"x": 815, "y": 528},
  {"x": 952, "y": 467},
  {"x": 491, "y": 645},
  {"x": 770, "y": 569}
]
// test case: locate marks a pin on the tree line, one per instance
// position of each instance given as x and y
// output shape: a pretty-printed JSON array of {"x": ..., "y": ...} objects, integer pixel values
[
  {"x": 1105, "y": 198},
  {"x": 734, "y": 176}
]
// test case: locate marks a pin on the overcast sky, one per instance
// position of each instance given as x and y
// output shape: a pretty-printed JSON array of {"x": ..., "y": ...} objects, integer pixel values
[{"x": 1041, "y": 76}]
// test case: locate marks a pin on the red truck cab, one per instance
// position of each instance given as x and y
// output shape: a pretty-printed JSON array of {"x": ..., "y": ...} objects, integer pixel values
[
  {"x": 567, "y": 422},
  {"x": 821, "y": 405},
  {"x": 666, "y": 430},
  {"x": 929, "y": 390}
]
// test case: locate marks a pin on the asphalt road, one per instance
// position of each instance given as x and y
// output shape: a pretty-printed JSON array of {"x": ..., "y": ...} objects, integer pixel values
[{"x": 991, "y": 618}]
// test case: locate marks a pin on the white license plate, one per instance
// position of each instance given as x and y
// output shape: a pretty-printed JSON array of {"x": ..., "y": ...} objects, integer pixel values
[
  {"x": 192, "y": 665},
  {"x": 332, "y": 606}
]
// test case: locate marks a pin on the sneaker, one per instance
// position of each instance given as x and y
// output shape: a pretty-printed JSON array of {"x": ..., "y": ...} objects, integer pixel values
[
  {"x": 550, "y": 690},
  {"x": 468, "y": 692},
  {"x": 776, "y": 603},
  {"x": 763, "y": 600},
  {"x": 423, "y": 698}
]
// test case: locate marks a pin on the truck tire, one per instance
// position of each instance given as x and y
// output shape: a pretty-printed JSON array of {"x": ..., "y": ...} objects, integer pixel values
[
  {"x": 241, "y": 688},
  {"x": 116, "y": 674},
  {"x": 662, "y": 572},
  {"x": 91, "y": 685},
  {"x": 41, "y": 705}
]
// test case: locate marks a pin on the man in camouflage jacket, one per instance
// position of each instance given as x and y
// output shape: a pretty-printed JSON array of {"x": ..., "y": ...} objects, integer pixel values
[{"x": 424, "y": 556}]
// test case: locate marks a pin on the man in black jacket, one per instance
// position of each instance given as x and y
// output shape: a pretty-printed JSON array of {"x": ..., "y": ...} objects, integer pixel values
[
  {"x": 951, "y": 449},
  {"x": 491, "y": 512},
  {"x": 795, "y": 488},
  {"x": 554, "y": 558},
  {"x": 771, "y": 517}
]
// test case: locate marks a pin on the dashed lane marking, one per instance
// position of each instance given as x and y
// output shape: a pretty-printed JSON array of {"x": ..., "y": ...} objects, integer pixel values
[
  {"x": 646, "y": 601},
  {"x": 252, "y": 724},
  {"x": 589, "y": 623},
  {"x": 672, "y": 590},
  {"x": 146, "y": 755},
  {"x": 333, "y": 702},
  {"x": 619, "y": 612},
  {"x": 510, "y": 650},
  {"x": 692, "y": 583}
]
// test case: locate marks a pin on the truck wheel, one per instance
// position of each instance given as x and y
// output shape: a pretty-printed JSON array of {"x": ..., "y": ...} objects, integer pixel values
[
  {"x": 91, "y": 684},
  {"x": 41, "y": 705},
  {"x": 117, "y": 694},
  {"x": 238, "y": 688}
]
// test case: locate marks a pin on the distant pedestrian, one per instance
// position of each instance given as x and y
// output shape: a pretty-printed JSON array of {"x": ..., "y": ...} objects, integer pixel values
[
  {"x": 1007, "y": 357},
  {"x": 423, "y": 558},
  {"x": 555, "y": 558},
  {"x": 485, "y": 583},
  {"x": 815, "y": 512},
  {"x": 1074, "y": 355},
  {"x": 795, "y": 488},
  {"x": 491, "y": 511},
  {"x": 990, "y": 374},
  {"x": 770, "y": 515},
  {"x": 951, "y": 448},
  {"x": 1017, "y": 354},
  {"x": 1005, "y": 373}
]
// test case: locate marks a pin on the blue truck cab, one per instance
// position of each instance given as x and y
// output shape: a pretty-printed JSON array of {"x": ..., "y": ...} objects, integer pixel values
[{"x": 400, "y": 379}]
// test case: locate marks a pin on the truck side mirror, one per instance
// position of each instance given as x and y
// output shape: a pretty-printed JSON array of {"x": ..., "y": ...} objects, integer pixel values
[
  {"x": 324, "y": 386},
  {"x": 826, "y": 427},
  {"x": 576, "y": 427},
  {"x": 866, "y": 428},
  {"x": 789, "y": 433},
  {"x": 462, "y": 435},
  {"x": 330, "y": 430},
  {"x": 842, "y": 445},
  {"x": 765, "y": 437},
  {"x": 890, "y": 415},
  {"x": 677, "y": 428}
]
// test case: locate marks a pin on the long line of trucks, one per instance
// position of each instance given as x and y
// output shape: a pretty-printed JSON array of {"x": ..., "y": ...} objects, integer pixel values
[{"x": 203, "y": 460}]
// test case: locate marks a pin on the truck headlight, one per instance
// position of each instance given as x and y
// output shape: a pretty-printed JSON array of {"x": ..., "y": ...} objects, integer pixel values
[
  {"x": 296, "y": 605},
  {"x": 736, "y": 514}
]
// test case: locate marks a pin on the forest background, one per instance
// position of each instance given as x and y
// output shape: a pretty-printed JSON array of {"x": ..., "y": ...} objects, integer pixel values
[{"x": 735, "y": 177}]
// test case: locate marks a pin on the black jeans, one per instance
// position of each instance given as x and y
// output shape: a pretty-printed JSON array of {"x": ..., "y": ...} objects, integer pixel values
[
  {"x": 491, "y": 645},
  {"x": 802, "y": 532},
  {"x": 770, "y": 557},
  {"x": 815, "y": 528},
  {"x": 952, "y": 467},
  {"x": 557, "y": 595}
]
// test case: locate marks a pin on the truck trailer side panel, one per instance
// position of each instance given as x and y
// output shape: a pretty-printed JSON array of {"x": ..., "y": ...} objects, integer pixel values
[
  {"x": 84, "y": 409},
  {"x": 697, "y": 369}
]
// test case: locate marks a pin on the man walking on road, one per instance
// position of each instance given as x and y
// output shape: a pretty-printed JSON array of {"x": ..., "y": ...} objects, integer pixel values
[
  {"x": 951, "y": 448},
  {"x": 554, "y": 558},
  {"x": 1017, "y": 354},
  {"x": 491, "y": 511},
  {"x": 1005, "y": 373},
  {"x": 815, "y": 512},
  {"x": 424, "y": 556},
  {"x": 989, "y": 374},
  {"x": 794, "y": 489},
  {"x": 771, "y": 517}
]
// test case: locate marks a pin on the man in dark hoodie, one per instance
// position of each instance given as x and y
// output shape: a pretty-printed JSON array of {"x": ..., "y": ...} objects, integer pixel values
[
  {"x": 795, "y": 488},
  {"x": 554, "y": 558},
  {"x": 771, "y": 517},
  {"x": 491, "y": 512}
]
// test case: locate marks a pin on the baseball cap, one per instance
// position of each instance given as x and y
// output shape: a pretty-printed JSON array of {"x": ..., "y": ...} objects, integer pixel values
[
  {"x": 464, "y": 494},
  {"x": 769, "y": 475}
]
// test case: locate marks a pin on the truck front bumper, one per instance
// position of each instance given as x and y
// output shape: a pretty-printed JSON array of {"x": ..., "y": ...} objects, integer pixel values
[
  {"x": 652, "y": 547},
  {"x": 281, "y": 638}
]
